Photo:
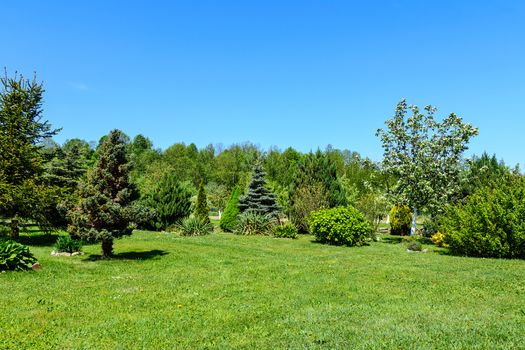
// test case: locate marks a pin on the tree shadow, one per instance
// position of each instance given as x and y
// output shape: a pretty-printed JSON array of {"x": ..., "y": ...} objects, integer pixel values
[
  {"x": 146, "y": 255},
  {"x": 43, "y": 239},
  {"x": 392, "y": 239}
]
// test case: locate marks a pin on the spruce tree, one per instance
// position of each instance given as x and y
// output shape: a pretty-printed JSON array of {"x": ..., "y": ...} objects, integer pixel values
[
  {"x": 170, "y": 200},
  {"x": 231, "y": 212},
  {"x": 105, "y": 208},
  {"x": 22, "y": 130},
  {"x": 258, "y": 199},
  {"x": 201, "y": 209}
]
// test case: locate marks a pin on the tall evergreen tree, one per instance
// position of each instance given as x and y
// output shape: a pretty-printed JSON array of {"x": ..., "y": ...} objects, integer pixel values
[
  {"x": 231, "y": 212},
  {"x": 105, "y": 208},
  {"x": 22, "y": 132},
  {"x": 259, "y": 199},
  {"x": 202, "y": 211}
]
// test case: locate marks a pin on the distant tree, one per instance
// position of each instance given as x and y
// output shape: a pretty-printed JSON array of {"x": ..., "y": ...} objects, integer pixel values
[
  {"x": 258, "y": 199},
  {"x": 105, "y": 208},
  {"x": 424, "y": 155},
  {"x": 484, "y": 171},
  {"x": 202, "y": 211},
  {"x": 217, "y": 196},
  {"x": 171, "y": 201},
  {"x": 22, "y": 132},
  {"x": 230, "y": 217}
]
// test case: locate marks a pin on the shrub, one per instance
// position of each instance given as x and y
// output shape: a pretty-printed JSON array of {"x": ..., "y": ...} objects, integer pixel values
[
  {"x": 229, "y": 218},
  {"x": 491, "y": 223},
  {"x": 66, "y": 244},
  {"x": 400, "y": 220},
  {"x": 430, "y": 227},
  {"x": 340, "y": 226},
  {"x": 5, "y": 231},
  {"x": 438, "y": 239},
  {"x": 193, "y": 226},
  {"x": 251, "y": 223},
  {"x": 285, "y": 231},
  {"x": 414, "y": 246},
  {"x": 15, "y": 256}
]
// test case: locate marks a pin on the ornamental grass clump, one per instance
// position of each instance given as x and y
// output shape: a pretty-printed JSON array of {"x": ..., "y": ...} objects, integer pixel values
[
  {"x": 340, "y": 226},
  {"x": 193, "y": 226}
]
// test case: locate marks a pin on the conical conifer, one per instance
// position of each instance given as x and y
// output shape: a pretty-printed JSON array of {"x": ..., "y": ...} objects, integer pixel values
[
  {"x": 202, "y": 211},
  {"x": 259, "y": 199}
]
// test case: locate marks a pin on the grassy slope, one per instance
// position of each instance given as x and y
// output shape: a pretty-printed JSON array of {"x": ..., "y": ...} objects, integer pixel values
[{"x": 226, "y": 291}]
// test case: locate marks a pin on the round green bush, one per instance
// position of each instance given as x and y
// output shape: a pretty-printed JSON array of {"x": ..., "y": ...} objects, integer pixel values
[
  {"x": 287, "y": 230},
  {"x": 491, "y": 223},
  {"x": 400, "y": 220},
  {"x": 340, "y": 226}
]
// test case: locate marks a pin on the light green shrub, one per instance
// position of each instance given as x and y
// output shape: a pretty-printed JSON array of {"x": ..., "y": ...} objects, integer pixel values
[
  {"x": 340, "y": 226},
  {"x": 400, "y": 220},
  {"x": 287, "y": 230}
]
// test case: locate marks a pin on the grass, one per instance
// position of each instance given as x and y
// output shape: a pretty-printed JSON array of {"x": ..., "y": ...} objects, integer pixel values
[{"x": 224, "y": 291}]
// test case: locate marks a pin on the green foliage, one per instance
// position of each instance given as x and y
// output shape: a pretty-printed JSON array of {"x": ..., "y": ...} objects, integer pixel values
[
  {"x": 202, "y": 211},
  {"x": 253, "y": 223},
  {"x": 374, "y": 206},
  {"x": 424, "y": 156},
  {"x": 66, "y": 244},
  {"x": 400, "y": 220},
  {"x": 491, "y": 223},
  {"x": 307, "y": 199},
  {"x": 258, "y": 199},
  {"x": 15, "y": 256},
  {"x": 414, "y": 245},
  {"x": 287, "y": 230},
  {"x": 104, "y": 211},
  {"x": 171, "y": 201},
  {"x": 22, "y": 132},
  {"x": 229, "y": 218},
  {"x": 193, "y": 226},
  {"x": 340, "y": 226}
]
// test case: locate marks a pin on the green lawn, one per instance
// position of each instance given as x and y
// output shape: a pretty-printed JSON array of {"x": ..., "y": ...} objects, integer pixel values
[{"x": 225, "y": 291}]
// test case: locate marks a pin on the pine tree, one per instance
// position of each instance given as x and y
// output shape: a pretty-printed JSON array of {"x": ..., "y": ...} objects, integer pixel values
[
  {"x": 231, "y": 212},
  {"x": 105, "y": 207},
  {"x": 202, "y": 211},
  {"x": 259, "y": 199},
  {"x": 170, "y": 200}
]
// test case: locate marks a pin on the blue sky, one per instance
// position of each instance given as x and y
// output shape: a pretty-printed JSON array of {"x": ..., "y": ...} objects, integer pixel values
[{"x": 285, "y": 73}]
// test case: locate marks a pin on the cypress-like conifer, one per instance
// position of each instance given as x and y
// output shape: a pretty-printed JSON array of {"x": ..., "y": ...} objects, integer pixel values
[
  {"x": 202, "y": 211},
  {"x": 231, "y": 212}
]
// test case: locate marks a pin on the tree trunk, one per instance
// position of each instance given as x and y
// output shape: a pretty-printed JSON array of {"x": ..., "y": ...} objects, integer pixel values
[
  {"x": 107, "y": 247},
  {"x": 413, "y": 228},
  {"x": 15, "y": 229}
]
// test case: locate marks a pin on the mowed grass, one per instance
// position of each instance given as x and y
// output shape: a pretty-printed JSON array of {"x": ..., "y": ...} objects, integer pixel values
[{"x": 224, "y": 291}]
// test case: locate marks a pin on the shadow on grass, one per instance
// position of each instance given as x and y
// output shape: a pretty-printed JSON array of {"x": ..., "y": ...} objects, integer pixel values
[
  {"x": 392, "y": 239},
  {"x": 42, "y": 239},
  {"x": 147, "y": 255}
]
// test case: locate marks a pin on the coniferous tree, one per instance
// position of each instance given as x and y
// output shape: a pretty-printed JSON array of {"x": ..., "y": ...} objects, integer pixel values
[
  {"x": 258, "y": 199},
  {"x": 170, "y": 200},
  {"x": 202, "y": 211},
  {"x": 315, "y": 186},
  {"x": 105, "y": 208},
  {"x": 22, "y": 131},
  {"x": 231, "y": 212}
]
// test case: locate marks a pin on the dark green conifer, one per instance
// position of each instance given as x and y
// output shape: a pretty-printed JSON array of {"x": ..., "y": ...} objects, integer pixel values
[
  {"x": 170, "y": 200},
  {"x": 105, "y": 208},
  {"x": 258, "y": 199}
]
